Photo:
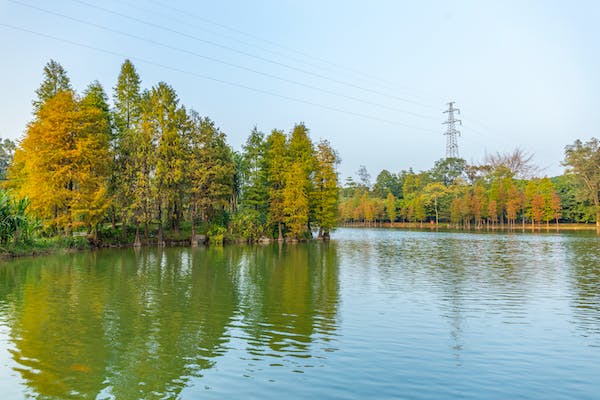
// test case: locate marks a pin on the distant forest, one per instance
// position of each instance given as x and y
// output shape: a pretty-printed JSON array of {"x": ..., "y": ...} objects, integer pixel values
[{"x": 504, "y": 191}]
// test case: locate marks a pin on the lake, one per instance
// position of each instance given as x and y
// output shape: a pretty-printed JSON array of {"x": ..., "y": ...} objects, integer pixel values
[{"x": 380, "y": 314}]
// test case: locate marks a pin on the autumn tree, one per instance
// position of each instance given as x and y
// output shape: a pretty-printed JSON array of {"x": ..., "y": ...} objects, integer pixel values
[
  {"x": 276, "y": 165},
  {"x": 390, "y": 207},
  {"x": 94, "y": 161},
  {"x": 432, "y": 194},
  {"x": 301, "y": 161},
  {"x": 63, "y": 162},
  {"x": 296, "y": 201}
]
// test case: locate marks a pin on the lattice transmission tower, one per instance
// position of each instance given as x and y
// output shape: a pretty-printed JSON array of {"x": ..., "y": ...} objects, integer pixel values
[{"x": 451, "y": 132}]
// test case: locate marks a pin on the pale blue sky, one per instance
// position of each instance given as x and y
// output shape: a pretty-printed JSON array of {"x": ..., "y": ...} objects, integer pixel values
[{"x": 523, "y": 73}]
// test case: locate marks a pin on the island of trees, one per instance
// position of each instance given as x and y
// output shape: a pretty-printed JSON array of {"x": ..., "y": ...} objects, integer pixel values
[{"x": 148, "y": 170}]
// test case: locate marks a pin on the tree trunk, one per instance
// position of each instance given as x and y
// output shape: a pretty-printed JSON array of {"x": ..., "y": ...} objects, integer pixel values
[
  {"x": 124, "y": 226},
  {"x": 193, "y": 241},
  {"x": 137, "y": 242},
  {"x": 160, "y": 237},
  {"x": 280, "y": 228}
]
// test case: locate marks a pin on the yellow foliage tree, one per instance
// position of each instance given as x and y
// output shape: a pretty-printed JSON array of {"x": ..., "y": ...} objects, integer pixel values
[{"x": 62, "y": 163}]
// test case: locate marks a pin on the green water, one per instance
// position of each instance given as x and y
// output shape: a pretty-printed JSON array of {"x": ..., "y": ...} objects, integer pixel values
[{"x": 374, "y": 313}]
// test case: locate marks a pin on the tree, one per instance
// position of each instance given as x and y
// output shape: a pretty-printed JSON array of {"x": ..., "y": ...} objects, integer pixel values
[
  {"x": 295, "y": 201},
  {"x": 364, "y": 177},
  {"x": 517, "y": 164},
  {"x": 255, "y": 191},
  {"x": 128, "y": 147},
  {"x": 390, "y": 207},
  {"x": 583, "y": 162},
  {"x": 139, "y": 146},
  {"x": 7, "y": 152},
  {"x": 127, "y": 99},
  {"x": 478, "y": 203},
  {"x": 385, "y": 183},
  {"x": 63, "y": 161},
  {"x": 167, "y": 120},
  {"x": 548, "y": 192},
  {"x": 555, "y": 207},
  {"x": 211, "y": 170},
  {"x": 55, "y": 81},
  {"x": 276, "y": 165},
  {"x": 448, "y": 170},
  {"x": 301, "y": 151},
  {"x": 93, "y": 199},
  {"x": 432, "y": 193},
  {"x": 418, "y": 205},
  {"x": 513, "y": 205},
  {"x": 325, "y": 186}
]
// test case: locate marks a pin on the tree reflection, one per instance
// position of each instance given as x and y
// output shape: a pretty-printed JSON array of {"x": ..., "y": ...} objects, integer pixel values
[
  {"x": 291, "y": 298},
  {"x": 583, "y": 256},
  {"x": 124, "y": 325},
  {"x": 144, "y": 323}
]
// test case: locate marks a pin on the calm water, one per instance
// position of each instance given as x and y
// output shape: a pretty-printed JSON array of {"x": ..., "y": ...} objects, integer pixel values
[{"x": 373, "y": 314}]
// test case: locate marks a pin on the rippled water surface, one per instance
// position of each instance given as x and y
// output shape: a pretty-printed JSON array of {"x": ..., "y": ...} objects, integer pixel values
[{"x": 373, "y": 314}]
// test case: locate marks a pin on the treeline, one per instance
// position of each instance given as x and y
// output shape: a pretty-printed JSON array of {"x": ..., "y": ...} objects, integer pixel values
[
  {"x": 148, "y": 166},
  {"x": 500, "y": 192}
]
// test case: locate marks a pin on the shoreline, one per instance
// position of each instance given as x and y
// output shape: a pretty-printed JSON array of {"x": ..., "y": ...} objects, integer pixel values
[
  {"x": 553, "y": 227},
  {"x": 57, "y": 245}
]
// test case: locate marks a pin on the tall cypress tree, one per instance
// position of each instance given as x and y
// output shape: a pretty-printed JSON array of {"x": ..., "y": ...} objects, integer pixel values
[
  {"x": 55, "y": 81},
  {"x": 126, "y": 144}
]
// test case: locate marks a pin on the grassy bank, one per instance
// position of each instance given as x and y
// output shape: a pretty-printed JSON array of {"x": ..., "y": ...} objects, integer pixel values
[{"x": 44, "y": 246}]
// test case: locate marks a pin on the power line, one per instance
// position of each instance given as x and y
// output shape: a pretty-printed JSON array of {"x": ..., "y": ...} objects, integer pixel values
[
  {"x": 247, "y": 54},
  {"x": 304, "y": 60},
  {"x": 224, "y": 82},
  {"x": 216, "y": 60},
  {"x": 187, "y": 13}
]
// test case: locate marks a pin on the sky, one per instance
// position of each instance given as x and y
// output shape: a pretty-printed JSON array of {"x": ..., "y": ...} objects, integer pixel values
[{"x": 373, "y": 77}]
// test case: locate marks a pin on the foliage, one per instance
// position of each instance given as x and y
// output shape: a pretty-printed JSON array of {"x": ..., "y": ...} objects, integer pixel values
[
  {"x": 152, "y": 163},
  {"x": 448, "y": 170},
  {"x": 7, "y": 151},
  {"x": 517, "y": 164},
  {"x": 62, "y": 163},
  {"x": 583, "y": 161},
  {"x": 450, "y": 193},
  {"x": 16, "y": 225}
]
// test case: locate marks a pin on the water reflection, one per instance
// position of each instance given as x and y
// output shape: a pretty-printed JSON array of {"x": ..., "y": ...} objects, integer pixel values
[
  {"x": 291, "y": 298},
  {"x": 130, "y": 324},
  {"x": 585, "y": 284}
]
